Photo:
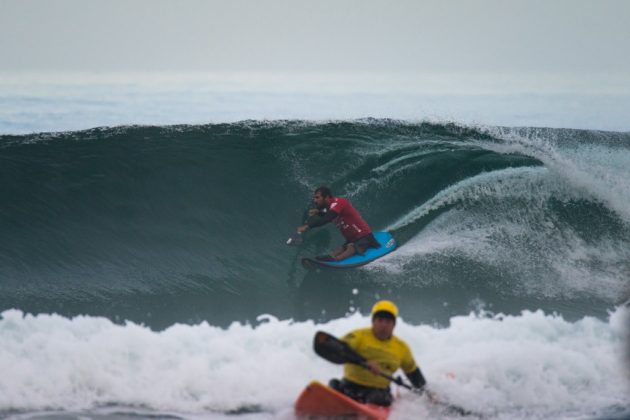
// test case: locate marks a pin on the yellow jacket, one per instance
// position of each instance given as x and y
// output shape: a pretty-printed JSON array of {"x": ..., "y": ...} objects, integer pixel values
[{"x": 390, "y": 355}]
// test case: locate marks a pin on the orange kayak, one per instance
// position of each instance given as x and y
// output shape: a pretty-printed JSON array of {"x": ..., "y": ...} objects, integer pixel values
[{"x": 318, "y": 399}]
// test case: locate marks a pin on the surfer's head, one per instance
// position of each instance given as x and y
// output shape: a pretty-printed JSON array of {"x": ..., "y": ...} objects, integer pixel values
[
  {"x": 384, "y": 313},
  {"x": 322, "y": 197}
]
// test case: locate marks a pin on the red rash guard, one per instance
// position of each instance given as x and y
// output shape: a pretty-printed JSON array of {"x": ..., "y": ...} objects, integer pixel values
[{"x": 348, "y": 221}]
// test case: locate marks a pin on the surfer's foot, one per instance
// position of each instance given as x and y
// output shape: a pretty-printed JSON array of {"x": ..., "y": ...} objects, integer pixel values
[{"x": 325, "y": 258}]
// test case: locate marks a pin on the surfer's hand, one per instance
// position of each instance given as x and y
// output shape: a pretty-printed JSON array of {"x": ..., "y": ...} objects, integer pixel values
[
  {"x": 313, "y": 212},
  {"x": 302, "y": 229}
]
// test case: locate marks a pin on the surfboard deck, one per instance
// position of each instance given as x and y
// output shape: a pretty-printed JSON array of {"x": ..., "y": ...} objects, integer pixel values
[
  {"x": 388, "y": 244},
  {"x": 318, "y": 399}
]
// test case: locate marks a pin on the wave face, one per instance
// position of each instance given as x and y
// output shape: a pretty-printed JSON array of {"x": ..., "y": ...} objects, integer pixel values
[
  {"x": 188, "y": 223},
  {"x": 135, "y": 264}
]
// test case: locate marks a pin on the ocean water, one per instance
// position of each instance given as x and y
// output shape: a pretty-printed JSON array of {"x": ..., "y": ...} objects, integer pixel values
[{"x": 144, "y": 271}]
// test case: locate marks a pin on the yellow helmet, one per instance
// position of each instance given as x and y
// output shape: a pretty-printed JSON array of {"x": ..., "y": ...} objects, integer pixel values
[{"x": 385, "y": 306}]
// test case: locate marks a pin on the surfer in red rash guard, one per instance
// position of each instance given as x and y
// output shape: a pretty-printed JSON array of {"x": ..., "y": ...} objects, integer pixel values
[{"x": 354, "y": 229}]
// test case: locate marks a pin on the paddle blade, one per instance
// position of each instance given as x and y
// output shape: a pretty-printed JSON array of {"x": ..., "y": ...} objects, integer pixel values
[
  {"x": 295, "y": 239},
  {"x": 335, "y": 350}
]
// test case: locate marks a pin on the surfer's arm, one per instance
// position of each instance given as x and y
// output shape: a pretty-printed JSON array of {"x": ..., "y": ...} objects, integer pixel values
[{"x": 321, "y": 219}]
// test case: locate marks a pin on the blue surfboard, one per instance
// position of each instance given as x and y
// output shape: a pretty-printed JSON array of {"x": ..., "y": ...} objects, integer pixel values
[{"x": 385, "y": 239}]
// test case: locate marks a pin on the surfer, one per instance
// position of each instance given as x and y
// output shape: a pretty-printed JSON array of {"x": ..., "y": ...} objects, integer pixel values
[
  {"x": 385, "y": 353},
  {"x": 354, "y": 229}
]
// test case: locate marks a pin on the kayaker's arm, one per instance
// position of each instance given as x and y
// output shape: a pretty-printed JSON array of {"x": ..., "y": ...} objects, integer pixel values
[{"x": 416, "y": 378}]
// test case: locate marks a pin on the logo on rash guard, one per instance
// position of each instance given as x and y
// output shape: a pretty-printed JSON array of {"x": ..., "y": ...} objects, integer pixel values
[{"x": 333, "y": 205}]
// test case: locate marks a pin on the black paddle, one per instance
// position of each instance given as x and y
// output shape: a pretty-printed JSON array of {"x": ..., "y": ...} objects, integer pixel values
[{"x": 336, "y": 351}]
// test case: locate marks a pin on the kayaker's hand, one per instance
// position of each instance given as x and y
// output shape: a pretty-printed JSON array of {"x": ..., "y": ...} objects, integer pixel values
[{"x": 374, "y": 367}]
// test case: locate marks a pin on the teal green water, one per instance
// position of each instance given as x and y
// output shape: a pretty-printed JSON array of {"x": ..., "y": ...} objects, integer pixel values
[{"x": 188, "y": 223}]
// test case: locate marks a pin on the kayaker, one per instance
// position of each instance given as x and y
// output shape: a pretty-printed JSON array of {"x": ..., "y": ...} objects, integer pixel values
[{"x": 384, "y": 352}]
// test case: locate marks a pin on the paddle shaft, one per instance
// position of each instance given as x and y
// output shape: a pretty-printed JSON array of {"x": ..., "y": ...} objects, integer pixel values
[{"x": 397, "y": 381}]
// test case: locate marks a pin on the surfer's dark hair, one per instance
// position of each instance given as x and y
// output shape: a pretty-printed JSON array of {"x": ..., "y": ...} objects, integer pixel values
[{"x": 324, "y": 191}]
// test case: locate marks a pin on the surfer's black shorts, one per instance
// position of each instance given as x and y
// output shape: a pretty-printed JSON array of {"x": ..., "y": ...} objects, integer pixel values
[{"x": 364, "y": 243}]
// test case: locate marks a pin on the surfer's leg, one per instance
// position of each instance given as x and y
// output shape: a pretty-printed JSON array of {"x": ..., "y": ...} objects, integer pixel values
[
  {"x": 363, "y": 244},
  {"x": 347, "y": 250},
  {"x": 350, "y": 248},
  {"x": 344, "y": 251},
  {"x": 338, "y": 251},
  {"x": 333, "y": 256}
]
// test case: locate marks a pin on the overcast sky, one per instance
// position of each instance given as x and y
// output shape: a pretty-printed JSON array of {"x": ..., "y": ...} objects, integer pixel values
[{"x": 485, "y": 36}]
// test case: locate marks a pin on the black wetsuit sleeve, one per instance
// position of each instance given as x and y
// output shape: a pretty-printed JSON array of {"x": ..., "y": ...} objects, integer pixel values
[
  {"x": 416, "y": 378},
  {"x": 322, "y": 219}
]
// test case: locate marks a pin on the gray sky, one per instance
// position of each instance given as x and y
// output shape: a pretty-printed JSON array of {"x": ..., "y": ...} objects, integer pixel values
[{"x": 485, "y": 36}]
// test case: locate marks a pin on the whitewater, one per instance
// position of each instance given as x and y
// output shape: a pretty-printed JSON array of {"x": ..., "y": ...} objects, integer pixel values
[
  {"x": 144, "y": 271},
  {"x": 528, "y": 366}
]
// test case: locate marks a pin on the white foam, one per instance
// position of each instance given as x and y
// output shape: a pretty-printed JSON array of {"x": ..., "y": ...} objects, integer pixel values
[
  {"x": 600, "y": 171},
  {"x": 500, "y": 184},
  {"x": 527, "y": 366}
]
